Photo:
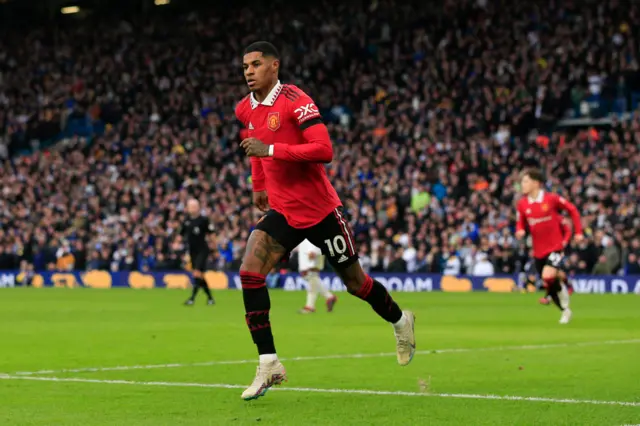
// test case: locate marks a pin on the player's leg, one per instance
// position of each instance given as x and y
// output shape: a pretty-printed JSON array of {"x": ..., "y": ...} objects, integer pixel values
[
  {"x": 333, "y": 235},
  {"x": 268, "y": 243},
  {"x": 557, "y": 291},
  {"x": 550, "y": 278},
  {"x": 203, "y": 285},
  {"x": 312, "y": 279},
  {"x": 539, "y": 265},
  {"x": 195, "y": 287},
  {"x": 564, "y": 278},
  {"x": 200, "y": 267},
  {"x": 330, "y": 299}
]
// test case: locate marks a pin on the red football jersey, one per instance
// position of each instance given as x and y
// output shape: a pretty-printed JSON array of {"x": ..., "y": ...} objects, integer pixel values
[
  {"x": 294, "y": 177},
  {"x": 543, "y": 217}
]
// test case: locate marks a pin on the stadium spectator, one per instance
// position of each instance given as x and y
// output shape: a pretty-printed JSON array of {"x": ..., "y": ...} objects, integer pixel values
[
  {"x": 483, "y": 267},
  {"x": 603, "y": 267}
]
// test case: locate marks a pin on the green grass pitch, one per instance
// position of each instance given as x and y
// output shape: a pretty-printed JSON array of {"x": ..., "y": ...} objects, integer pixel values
[{"x": 187, "y": 365}]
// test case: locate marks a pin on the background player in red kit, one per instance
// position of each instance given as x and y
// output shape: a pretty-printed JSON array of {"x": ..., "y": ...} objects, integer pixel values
[
  {"x": 539, "y": 211},
  {"x": 289, "y": 145}
]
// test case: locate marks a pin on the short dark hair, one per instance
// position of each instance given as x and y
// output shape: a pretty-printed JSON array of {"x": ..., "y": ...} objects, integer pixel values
[
  {"x": 264, "y": 47},
  {"x": 534, "y": 174}
]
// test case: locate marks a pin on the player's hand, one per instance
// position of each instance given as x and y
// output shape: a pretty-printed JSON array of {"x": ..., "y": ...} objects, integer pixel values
[
  {"x": 255, "y": 148},
  {"x": 261, "y": 200},
  {"x": 520, "y": 234},
  {"x": 578, "y": 238}
]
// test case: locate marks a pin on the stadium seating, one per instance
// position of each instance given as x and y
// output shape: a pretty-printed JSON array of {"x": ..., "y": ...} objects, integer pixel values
[{"x": 109, "y": 131}]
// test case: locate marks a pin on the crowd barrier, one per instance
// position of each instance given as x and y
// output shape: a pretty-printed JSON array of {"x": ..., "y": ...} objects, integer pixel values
[{"x": 293, "y": 281}]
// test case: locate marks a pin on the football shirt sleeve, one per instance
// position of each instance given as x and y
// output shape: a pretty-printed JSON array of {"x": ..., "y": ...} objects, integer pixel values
[
  {"x": 566, "y": 234},
  {"x": 257, "y": 173},
  {"x": 317, "y": 147},
  {"x": 569, "y": 207},
  {"x": 520, "y": 226}
]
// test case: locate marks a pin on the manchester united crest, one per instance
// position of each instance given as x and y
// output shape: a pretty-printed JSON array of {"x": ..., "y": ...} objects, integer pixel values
[
  {"x": 545, "y": 207},
  {"x": 273, "y": 121}
]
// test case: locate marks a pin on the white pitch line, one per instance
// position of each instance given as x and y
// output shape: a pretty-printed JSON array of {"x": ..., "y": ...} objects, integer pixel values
[
  {"x": 328, "y": 357},
  {"x": 337, "y": 391}
]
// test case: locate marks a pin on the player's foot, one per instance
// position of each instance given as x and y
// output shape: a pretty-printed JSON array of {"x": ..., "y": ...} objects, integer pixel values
[
  {"x": 566, "y": 316},
  {"x": 211, "y": 302},
  {"x": 267, "y": 375},
  {"x": 189, "y": 302},
  {"x": 331, "y": 303},
  {"x": 306, "y": 310},
  {"x": 544, "y": 301},
  {"x": 406, "y": 339}
]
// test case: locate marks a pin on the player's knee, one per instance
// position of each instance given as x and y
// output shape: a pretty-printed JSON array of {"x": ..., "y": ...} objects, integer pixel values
[
  {"x": 354, "y": 278},
  {"x": 551, "y": 281},
  {"x": 549, "y": 274},
  {"x": 255, "y": 265},
  {"x": 197, "y": 274}
]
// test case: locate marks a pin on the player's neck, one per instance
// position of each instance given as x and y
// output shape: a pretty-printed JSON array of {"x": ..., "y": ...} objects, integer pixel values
[
  {"x": 261, "y": 95},
  {"x": 534, "y": 194}
]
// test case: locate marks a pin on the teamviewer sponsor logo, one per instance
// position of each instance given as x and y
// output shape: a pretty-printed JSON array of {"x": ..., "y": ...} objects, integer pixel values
[{"x": 534, "y": 222}]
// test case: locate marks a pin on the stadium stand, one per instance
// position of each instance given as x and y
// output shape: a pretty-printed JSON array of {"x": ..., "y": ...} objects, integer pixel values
[{"x": 107, "y": 128}]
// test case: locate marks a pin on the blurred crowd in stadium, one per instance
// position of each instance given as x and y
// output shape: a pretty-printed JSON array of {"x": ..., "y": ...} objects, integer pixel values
[{"x": 433, "y": 112}]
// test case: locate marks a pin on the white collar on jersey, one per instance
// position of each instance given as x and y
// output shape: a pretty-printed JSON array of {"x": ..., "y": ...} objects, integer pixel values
[
  {"x": 270, "y": 99},
  {"x": 538, "y": 199}
]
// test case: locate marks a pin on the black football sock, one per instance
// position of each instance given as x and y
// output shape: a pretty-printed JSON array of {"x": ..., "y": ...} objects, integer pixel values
[
  {"x": 194, "y": 289},
  {"x": 203, "y": 285},
  {"x": 554, "y": 289},
  {"x": 257, "y": 306},
  {"x": 380, "y": 300}
]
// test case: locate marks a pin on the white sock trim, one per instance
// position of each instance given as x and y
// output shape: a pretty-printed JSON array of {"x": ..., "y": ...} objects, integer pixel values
[
  {"x": 268, "y": 358},
  {"x": 564, "y": 297},
  {"x": 401, "y": 322}
]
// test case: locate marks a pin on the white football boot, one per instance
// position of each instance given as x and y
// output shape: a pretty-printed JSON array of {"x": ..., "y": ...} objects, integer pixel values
[
  {"x": 566, "y": 316},
  {"x": 406, "y": 339},
  {"x": 267, "y": 375}
]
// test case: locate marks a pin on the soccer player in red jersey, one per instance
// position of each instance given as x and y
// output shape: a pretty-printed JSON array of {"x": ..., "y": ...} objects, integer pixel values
[
  {"x": 289, "y": 146},
  {"x": 540, "y": 212}
]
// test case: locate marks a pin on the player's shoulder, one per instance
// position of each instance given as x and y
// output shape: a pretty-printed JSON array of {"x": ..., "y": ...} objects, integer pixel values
[
  {"x": 242, "y": 106},
  {"x": 293, "y": 93},
  {"x": 292, "y": 90},
  {"x": 522, "y": 202},
  {"x": 552, "y": 197}
]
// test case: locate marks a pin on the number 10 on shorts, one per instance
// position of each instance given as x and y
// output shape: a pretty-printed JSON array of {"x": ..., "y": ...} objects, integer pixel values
[{"x": 338, "y": 245}]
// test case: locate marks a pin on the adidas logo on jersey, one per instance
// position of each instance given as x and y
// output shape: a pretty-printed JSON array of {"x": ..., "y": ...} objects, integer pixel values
[
  {"x": 250, "y": 126},
  {"x": 343, "y": 258}
]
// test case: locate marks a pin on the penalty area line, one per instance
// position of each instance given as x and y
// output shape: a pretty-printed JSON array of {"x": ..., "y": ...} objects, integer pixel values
[
  {"x": 329, "y": 391},
  {"x": 331, "y": 357}
]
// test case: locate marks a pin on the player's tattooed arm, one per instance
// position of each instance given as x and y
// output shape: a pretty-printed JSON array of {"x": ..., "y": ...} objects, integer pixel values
[{"x": 255, "y": 148}]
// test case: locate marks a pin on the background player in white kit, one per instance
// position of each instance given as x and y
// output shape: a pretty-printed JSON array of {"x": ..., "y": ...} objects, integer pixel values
[{"x": 310, "y": 263}]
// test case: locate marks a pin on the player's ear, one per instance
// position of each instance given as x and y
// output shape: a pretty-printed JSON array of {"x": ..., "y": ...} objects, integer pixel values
[{"x": 275, "y": 64}]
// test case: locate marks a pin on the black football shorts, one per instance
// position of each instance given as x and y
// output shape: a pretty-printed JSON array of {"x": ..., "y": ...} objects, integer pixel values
[
  {"x": 332, "y": 235},
  {"x": 199, "y": 260},
  {"x": 555, "y": 259}
]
